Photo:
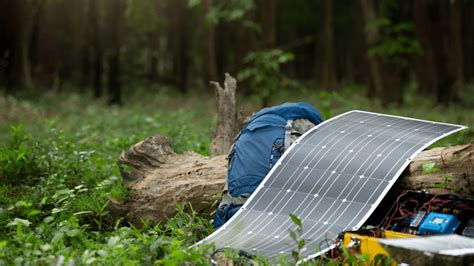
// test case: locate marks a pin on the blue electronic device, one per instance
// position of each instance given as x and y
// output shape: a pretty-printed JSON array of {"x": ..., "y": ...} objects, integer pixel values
[{"x": 438, "y": 224}]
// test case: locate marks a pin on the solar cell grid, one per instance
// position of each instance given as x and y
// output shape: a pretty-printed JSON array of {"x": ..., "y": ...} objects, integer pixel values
[{"x": 332, "y": 178}]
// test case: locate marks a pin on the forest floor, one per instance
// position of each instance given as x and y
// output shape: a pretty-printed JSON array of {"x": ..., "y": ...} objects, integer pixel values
[{"x": 58, "y": 168}]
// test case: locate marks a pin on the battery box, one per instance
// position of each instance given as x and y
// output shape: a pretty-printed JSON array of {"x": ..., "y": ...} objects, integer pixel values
[{"x": 438, "y": 223}]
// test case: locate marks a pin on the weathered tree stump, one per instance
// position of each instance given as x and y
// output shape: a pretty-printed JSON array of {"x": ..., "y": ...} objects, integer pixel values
[
  {"x": 160, "y": 178},
  {"x": 228, "y": 122}
]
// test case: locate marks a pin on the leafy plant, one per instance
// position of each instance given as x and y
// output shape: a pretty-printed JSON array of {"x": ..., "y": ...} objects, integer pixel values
[
  {"x": 264, "y": 74},
  {"x": 396, "y": 43},
  {"x": 429, "y": 168},
  {"x": 296, "y": 237}
]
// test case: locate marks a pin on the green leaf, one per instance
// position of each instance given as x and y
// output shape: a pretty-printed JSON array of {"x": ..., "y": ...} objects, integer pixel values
[
  {"x": 34, "y": 212},
  {"x": 82, "y": 212},
  {"x": 73, "y": 232},
  {"x": 292, "y": 235},
  {"x": 23, "y": 204},
  {"x": 3, "y": 244},
  {"x": 48, "y": 219},
  {"x": 113, "y": 240},
  {"x": 295, "y": 219},
  {"x": 18, "y": 221},
  {"x": 301, "y": 244},
  {"x": 56, "y": 210},
  {"x": 440, "y": 185},
  {"x": 429, "y": 168},
  {"x": 59, "y": 236},
  {"x": 45, "y": 247},
  {"x": 365, "y": 257}
]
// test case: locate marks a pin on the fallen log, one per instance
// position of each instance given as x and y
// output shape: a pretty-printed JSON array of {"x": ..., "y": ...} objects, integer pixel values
[{"x": 160, "y": 178}]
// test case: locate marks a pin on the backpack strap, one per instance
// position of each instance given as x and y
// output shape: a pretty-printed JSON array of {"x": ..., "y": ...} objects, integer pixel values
[
  {"x": 288, "y": 128},
  {"x": 228, "y": 199}
]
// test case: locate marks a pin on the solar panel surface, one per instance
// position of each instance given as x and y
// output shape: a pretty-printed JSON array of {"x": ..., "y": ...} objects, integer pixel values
[{"x": 332, "y": 178}]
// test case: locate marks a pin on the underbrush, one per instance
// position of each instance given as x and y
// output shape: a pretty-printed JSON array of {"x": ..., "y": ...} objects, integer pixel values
[{"x": 57, "y": 171}]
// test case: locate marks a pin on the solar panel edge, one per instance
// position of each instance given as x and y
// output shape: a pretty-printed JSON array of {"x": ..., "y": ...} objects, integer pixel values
[{"x": 414, "y": 119}]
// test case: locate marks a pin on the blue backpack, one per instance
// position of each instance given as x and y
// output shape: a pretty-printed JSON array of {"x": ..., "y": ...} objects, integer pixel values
[{"x": 258, "y": 147}]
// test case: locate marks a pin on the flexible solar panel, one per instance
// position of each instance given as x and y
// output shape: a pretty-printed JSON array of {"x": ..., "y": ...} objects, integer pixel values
[{"x": 332, "y": 178}]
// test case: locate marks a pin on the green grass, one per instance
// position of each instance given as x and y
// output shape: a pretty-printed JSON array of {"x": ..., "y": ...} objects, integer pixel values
[{"x": 58, "y": 169}]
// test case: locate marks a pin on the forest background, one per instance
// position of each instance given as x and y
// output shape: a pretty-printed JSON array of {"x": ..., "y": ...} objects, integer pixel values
[{"x": 80, "y": 80}]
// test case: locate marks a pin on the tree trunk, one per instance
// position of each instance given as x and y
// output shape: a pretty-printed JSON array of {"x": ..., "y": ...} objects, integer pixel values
[
  {"x": 424, "y": 64},
  {"x": 371, "y": 36},
  {"x": 116, "y": 9},
  {"x": 153, "y": 50},
  {"x": 385, "y": 75},
  {"x": 19, "y": 75},
  {"x": 457, "y": 61},
  {"x": 434, "y": 31},
  {"x": 37, "y": 13},
  {"x": 160, "y": 178},
  {"x": 97, "y": 50},
  {"x": 268, "y": 20},
  {"x": 247, "y": 40},
  {"x": 86, "y": 47},
  {"x": 468, "y": 30},
  {"x": 208, "y": 58},
  {"x": 152, "y": 71},
  {"x": 329, "y": 80},
  {"x": 177, "y": 36}
]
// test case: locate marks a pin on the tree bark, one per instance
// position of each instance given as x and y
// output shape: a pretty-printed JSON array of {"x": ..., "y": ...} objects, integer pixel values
[
  {"x": 372, "y": 35},
  {"x": 228, "y": 123},
  {"x": 19, "y": 74},
  {"x": 160, "y": 178},
  {"x": 385, "y": 75},
  {"x": 208, "y": 59},
  {"x": 97, "y": 50},
  {"x": 457, "y": 59},
  {"x": 154, "y": 45},
  {"x": 329, "y": 80},
  {"x": 424, "y": 64},
  {"x": 177, "y": 36},
  {"x": 268, "y": 20},
  {"x": 435, "y": 32},
  {"x": 115, "y": 14}
]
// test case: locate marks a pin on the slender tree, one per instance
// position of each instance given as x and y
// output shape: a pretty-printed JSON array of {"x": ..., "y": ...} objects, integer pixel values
[
  {"x": 376, "y": 86},
  {"x": 433, "y": 30},
  {"x": 456, "y": 43},
  {"x": 385, "y": 65},
  {"x": 268, "y": 20},
  {"x": 154, "y": 43},
  {"x": 96, "y": 47},
  {"x": 208, "y": 58},
  {"x": 329, "y": 80},
  {"x": 425, "y": 66},
  {"x": 116, "y": 9},
  {"x": 177, "y": 35},
  {"x": 17, "y": 43}
]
